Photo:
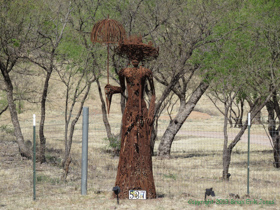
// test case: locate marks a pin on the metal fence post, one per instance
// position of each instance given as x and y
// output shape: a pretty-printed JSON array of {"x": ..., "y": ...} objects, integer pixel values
[
  {"x": 84, "y": 151},
  {"x": 34, "y": 157},
  {"x": 248, "y": 163}
]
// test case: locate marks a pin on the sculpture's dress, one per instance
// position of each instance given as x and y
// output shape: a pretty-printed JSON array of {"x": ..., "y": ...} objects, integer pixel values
[{"x": 135, "y": 162}]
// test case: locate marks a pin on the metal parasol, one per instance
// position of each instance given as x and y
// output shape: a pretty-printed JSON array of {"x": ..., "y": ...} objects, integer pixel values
[{"x": 107, "y": 31}]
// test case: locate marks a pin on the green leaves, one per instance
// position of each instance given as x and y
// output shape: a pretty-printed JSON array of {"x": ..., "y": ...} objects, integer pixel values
[
  {"x": 15, "y": 42},
  {"x": 247, "y": 57},
  {"x": 71, "y": 47}
]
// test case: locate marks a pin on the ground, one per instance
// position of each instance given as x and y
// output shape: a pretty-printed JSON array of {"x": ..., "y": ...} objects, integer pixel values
[{"x": 53, "y": 193}]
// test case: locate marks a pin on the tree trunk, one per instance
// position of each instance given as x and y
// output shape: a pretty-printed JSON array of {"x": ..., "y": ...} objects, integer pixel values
[
  {"x": 154, "y": 136},
  {"x": 276, "y": 151},
  {"x": 68, "y": 141},
  {"x": 42, "y": 157},
  {"x": 240, "y": 119},
  {"x": 104, "y": 113},
  {"x": 66, "y": 166},
  {"x": 274, "y": 134},
  {"x": 175, "y": 125},
  {"x": 226, "y": 163},
  {"x": 68, "y": 144},
  {"x": 226, "y": 151},
  {"x": 255, "y": 108},
  {"x": 257, "y": 119},
  {"x": 24, "y": 151}
]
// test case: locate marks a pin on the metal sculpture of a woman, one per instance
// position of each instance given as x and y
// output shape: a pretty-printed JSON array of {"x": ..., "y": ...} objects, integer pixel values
[{"x": 135, "y": 161}]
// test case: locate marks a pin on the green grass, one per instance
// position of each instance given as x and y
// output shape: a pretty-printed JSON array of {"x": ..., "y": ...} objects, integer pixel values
[{"x": 47, "y": 180}]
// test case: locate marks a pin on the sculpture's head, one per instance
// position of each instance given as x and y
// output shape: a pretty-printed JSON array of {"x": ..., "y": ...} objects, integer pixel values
[{"x": 135, "y": 62}]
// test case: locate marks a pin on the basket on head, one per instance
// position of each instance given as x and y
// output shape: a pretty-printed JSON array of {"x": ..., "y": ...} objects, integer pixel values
[{"x": 134, "y": 49}]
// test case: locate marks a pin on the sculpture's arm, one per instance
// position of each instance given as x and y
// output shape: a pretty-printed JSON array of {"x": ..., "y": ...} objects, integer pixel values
[
  {"x": 152, "y": 101},
  {"x": 110, "y": 89},
  {"x": 122, "y": 82}
]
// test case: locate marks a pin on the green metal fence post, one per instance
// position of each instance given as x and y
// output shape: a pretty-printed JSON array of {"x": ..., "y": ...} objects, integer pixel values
[
  {"x": 34, "y": 157},
  {"x": 248, "y": 163}
]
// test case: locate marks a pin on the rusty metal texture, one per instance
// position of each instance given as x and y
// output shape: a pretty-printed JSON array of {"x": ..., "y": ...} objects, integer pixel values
[
  {"x": 107, "y": 31},
  {"x": 133, "y": 48},
  {"x": 135, "y": 161}
]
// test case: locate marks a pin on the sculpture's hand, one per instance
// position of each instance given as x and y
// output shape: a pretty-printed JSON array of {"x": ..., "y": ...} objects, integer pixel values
[
  {"x": 150, "y": 121},
  {"x": 108, "y": 89}
]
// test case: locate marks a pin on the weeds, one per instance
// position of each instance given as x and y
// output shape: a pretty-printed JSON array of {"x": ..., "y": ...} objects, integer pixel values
[
  {"x": 7, "y": 129},
  {"x": 47, "y": 179},
  {"x": 170, "y": 176},
  {"x": 57, "y": 161},
  {"x": 114, "y": 144}
]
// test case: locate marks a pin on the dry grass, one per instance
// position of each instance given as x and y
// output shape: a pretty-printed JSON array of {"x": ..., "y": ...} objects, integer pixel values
[{"x": 196, "y": 164}]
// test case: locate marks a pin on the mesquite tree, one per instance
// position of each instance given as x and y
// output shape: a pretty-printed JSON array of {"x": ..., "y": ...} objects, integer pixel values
[
  {"x": 186, "y": 40},
  {"x": 248, "y": 66},
  {"x": 87, "y": 13},
  {"x": 268, "y": 28},
  {"x": 77, "y": 81},
  {"x": 17, "y": 24},
  {"x": 49, "y": 32}
]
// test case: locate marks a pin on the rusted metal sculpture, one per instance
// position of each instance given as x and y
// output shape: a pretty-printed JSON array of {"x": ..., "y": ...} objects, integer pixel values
[
  {"x": 135, "y": 162},
  {"x": 107, "y": 31}
]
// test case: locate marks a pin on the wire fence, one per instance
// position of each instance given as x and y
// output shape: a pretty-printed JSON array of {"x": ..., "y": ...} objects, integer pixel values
[{"x": 196, "y": 162}]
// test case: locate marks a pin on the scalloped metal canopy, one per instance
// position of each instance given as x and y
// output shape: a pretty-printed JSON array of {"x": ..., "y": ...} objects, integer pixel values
[{"x": 107, "y": 31}]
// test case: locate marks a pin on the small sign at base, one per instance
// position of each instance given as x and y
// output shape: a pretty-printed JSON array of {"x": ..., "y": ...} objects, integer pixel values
[{"x": 137, "y": 194}]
